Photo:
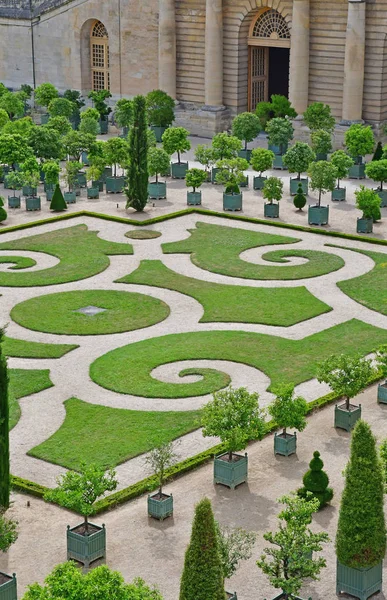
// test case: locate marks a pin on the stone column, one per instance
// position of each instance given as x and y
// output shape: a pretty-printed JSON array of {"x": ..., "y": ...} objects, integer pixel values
[
  {"x": 354, "y": 62},
  {"x": 214, "y": 53},
  {"x": 167, "y": 47},
  {"x": 299, "y": 56}
]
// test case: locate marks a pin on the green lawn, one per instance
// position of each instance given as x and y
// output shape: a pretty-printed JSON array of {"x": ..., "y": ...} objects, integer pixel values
[
  {"x": 217, "y": 248},
  {"x": 19, "y": 262},
  {"x": 142, "y": 234},
  {"x": 23, "y": 382},
  {"x": 55, "y": 313},
  {"x": 127, "y": 370},
  {"x": 81, "y": 253},
  {"x": 229, "y": 303},
  {"x": 24, "y": 349},
  {"x": 109, "y": 436}
]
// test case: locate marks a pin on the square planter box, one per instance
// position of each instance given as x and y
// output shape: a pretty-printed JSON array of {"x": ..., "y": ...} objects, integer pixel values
[
  {"x": 107, "y": 172},
  {"x": 97, "y": 184},
  {"x": 285, "y": 445},
  {"x": 214, "y": 172},
  {"x": 357, "y": 171},
  {"x": 178, "y": 170},
  {"x": 49, "y": 195},
  {"x": 33, "y": 203},
  {"x": 86, "y": 548},
  {"x": 258, "y": 182},
  {"x": 194, "y": 198},
  {"x": 232, "y": 201},
  {"x": 382, "y": 393},
  {"x": 85, "y": 158},
  {"x": 160, "y": 508},
  {"x": 157, "y": 190},
  {"x": 158, "y": 131},
  {"x": 278, "y": 163},
  {"x": 318, "y": 215},
  {"x": 245, "y": 183},
  {"x": 70, "y": 197},
  {"x": 339, "y": 194},
  {"x": 13, "y": 201},
  {"x": 364, "y": 225},
  {"x": 6, "y": 186},
  {"x": 104, "y": 126},
  {"x": 245, "y": 154},
  {"x": 320, "y": 156},
  {"x": 93, "y": 193},
  {"x": 278, "y": 149},
  {"x": 42, "y": 176},
  {"x": 346, "y": 419},
  {"x": 81, "y": 179},
  {"x": 294, "y": 185},
  {"x": 361, "y": 583},
  {"x": 29, "y": 191},
  {"x": 232, "y": 473},
  {"x": 8, "y": 586},
  {"x": 383, "y": 196},
  {"x": 44, "y": 119},
  {"x": 115, "y": 185},
  {"x": 230, "y": 596},
  {"x": 271, "y": 210},
  {"x": 48, "y": 187}
]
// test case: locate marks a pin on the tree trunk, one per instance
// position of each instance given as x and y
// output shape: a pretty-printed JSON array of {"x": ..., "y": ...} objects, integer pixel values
[
  {"x": 157, "y": 177},
  {"x": 245, "y": 145},
  {"x": 338, "y": 183},
  {"x": 347, "y": 403},
  {"x": 178, "y": 156},
  {"x": 230, "y": 455},
  {"x": 319, "y": 197},
  {"x": 87, "y": 524},
  {"x": 284, "y": 432}
]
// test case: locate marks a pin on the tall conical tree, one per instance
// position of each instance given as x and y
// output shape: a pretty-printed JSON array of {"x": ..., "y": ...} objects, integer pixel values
[
  {"x": 137, "y": 190},
  {"x": 58, "y": 202},
  {"x": 202, "y": 577},
  {"x": 361, "y": 533},
  {"x": 4, "y": 428}
]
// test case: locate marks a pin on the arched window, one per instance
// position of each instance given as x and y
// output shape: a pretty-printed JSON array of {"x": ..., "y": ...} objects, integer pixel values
[
  {"x": 271, "y": 24},
  {"x": 99, "y": 52}
]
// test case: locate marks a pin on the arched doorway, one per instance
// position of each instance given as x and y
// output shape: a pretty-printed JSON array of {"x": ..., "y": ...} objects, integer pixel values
[
  {"x": 99, "y": 54},
  {"x": 269, "y": 53}
]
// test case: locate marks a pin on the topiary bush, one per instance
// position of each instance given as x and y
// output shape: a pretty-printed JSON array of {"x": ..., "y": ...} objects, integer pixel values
[
  {"x": 316, "y": 482},
  {"x": 299, "y": 199},
  {"x": 58, "y": 203}
]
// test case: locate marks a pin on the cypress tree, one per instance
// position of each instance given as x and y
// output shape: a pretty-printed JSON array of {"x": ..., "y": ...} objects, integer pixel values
[
  {"x": 202, "y": 577},
  {"x": 299, "y": 200},
  {"x": 361, "y": 533},
  {"x": 316, "y": 482},
  {"x": 4, "y": 428},
  {"x": 58, "y": 202},
  {"x": 378, "y": 154},
  {"x": 137, "y": 190}
]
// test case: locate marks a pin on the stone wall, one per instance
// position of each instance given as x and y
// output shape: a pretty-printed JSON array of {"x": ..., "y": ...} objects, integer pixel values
[{"x": 190, "y": 25}]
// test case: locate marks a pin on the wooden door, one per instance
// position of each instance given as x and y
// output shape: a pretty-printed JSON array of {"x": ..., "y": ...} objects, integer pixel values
[{"x": 258, "y": 76}]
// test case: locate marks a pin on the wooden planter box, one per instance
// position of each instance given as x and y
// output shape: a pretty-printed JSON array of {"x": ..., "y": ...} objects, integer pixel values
[
  {"x": 318, "y": 215},
  {"x": 278, "y": 149},
  {"x": 157, "y": 190},
  {"x": 294, "y": 185},
  {"x": 228, "y": 473},
  {"x": 245, "y": 154},
  {"x": 81, "y": 179},
  {"x": 346, "y": 419},
  {"x": 230, "y": 596},
  {"x": 278, "y": 163},
  {"x": 245, "y": 183},
  {"x": 178, "y": 170},
  {"x": 85, "y": 158},
  {"x": 115, "y": 185},
  {"x": 104, "y": 126},
  {"x": 285, "y": 446},
  {"x": 8, "y": 589},
  {"x": 232, "y": 201},
  {"x": 214, "y": 172},
  {"x": 29, "y": 191},
  {"x": 44, "y": 119},
  {"x": 107, "y": 172},
  {"x": 321, "y": 156},
  {"x": 339, "y": 194},
  {"x": 160, "y": 508},
  {"x": 361, "y": 583},
  {"x": 93, "y": 193},
  {"x": 382, "y": 393},
  {"x": 49, "y": 195},
  {"x": 364, "y": 225},
  {"x": 357, "y": 171},
  {"x": 33, "y": 203},
  {"x": 158, "y": 131},
  {"x": 13, "y": 201},
  {"x": 86, "y": 548},
  {"x": 194, "y": 198},
  {"x": 271, "y": 210},
  {"x": 258, "y": 182},
  {"x": 48, "y": 187},
  {"x": 97, "y": 184},
  {"x": 70, "y": 197},
  {"x": 383, "y": 196}
]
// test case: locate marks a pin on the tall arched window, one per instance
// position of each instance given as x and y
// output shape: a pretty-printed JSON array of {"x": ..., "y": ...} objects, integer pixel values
[{"x": 99, "y": 53}]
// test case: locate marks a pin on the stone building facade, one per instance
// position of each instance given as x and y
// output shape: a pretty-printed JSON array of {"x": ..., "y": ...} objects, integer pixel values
[{"x": 216, "y": 57}]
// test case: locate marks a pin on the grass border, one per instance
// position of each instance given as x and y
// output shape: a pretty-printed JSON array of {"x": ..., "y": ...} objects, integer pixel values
[{"x": 189, "y": 464}]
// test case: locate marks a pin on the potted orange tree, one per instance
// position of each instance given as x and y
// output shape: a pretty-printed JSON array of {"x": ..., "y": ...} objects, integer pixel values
[
  {"x": 368, "y": 202},
  {"x": 160, "y": 505},
  {"x": 8, "y": 535},
  {"x": 288, "y": 412},
  {"x": 272, "y": 190},
  {"x": 381, "y": 363},
  {"x": 246, "y": 126},
  {"x": 377, "y": 171},
  {"x": 230, "y": 173},
  {"x": 359, "y": 140},
  {"x": 175, "y": 139},
  {"x": 261, "y": 160},
  {"x": 158, "y": 163},
  {"x": 322, "y": 179},
  {"x": 235, "y": 545},
  {"x": 195, "y": 178},
  {"x": 297, "y": 160},
  {"x": 342, "y": 162}
]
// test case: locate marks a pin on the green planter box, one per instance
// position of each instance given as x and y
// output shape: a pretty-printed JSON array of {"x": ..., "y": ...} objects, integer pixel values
[
  {"x": 158, "y": 131},
  {"x": 214, "y": 172},
  {"x": 81, "y": 179},
  {"x": 318, "y": 215},
  {"x": 294, "y": 185},
  {"x": 13, "y": 201},
  {"x": 230, "y": 596},
  {"x": 115, "y": 185},
  {"x": 85, "y": 158},
  {"x": 44, "y": 119},
  {"x": 321, "y": 156},
  {"x": 232, "y": 201},
  {"x": 77, "y": 188},
  {"x": 6, "y": 186},
  {"x": 346, "y": 419},
  {"x": 107, "y": 172},
  {"x": 233, "y": 473},
  {"x": 86, "y": 548},
  {"x": 166, "y": 173},
  {"x": 97, "y": 184},
  {"x": 357, "y": 171},
  {"x": 278, "y": 163},
  {"x": 49, "y": 187},
  {"x": 339, "y": 194},
  {"x": 285, "y": 446},
  {"x": 157, "y": 190},
  {"x": 194, "y": 198},
  {"x": 42, "y": 176},
  {"x": 361, "y": 583},
  {"x": 124, "y": 132},
  {"x": 29, "y": 191},
  {"x": 245, "y": 183},
  {"x": 160, "y": 508},
  {"x": 104, "y": 126},
  {"x": 70, "y": 197},
  {"x": 245, "y": 154},
  {"x": 33, "y": 203},
  {"x": 364, "y": 225},
  {"x": 382, "y": 393},
  {"x": 8, "y": 590},
  {"x": 271, "y": 210},
  {"x": 93, "y": 193},
  {"x": 49, "y": 195},
  {"x": 278, "y": 149},
  {"x": 258, "y": 182},
  {"x": 383, "y": 196},
  {"x": 178, "y": 170}
]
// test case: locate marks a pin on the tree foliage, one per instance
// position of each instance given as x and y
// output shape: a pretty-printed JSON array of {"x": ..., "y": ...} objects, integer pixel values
[
  {"x": 231, "y": 173},
  {"x": 321, "y": 141},
  {"x": 195, "y": 178},
  {"x": 45, "y": 143},
  {"x": 123, "y": 112},
  {"x": 318, "y": 116},
  {"x": 225, "y": 146},
  {"x": 316, "y": 482},
  {"x": 8, "y": 531},
  {"x": 61, "y": 107},
  {"x": 279, "y": 131},
  {"x": 202, "y": 577},
  {"x": 381, "y": 359},
  {"x": 45, "y": 93},
  {"x": 346, "y": 375},
  {"x": 377, "y": 171},
  {"x": 159, "y": 460},
  {"x": 272, "y": 189},
  {"x": 4, "y": 118},
  {"x": 13, "y": 149},
  {"x": 368, "y": 202},
  {"x": 160, "y": 108},
  {"x": 138, "y": 175},
  {"x": 298, "y": 158},
  {"x": 13, "y": 104},
  {"x": 5, "y": 478},
  {"x": 59, "y": 124},
  {"x": 359, "y": 139},
  {"x": 299, "y": 199},
  {"x": 99, "y": 100},
  {"x": 204, "y": 155},
  {"x": 246, "y": 126},
  {"x": 287, "y": 410},
  {"x": 261, "y": 160},
  {"x": 158, "y": 162},
  {"x": 51, "y": 170},
  {"x": 361, "y": 531},
  {"x": 378, "y": 154},
  {"x": 175, "y": 139},
  {"x": 116, "y": 152},
  {"x": 323, "y": 176},
  {"x": 235, "y": 545},
  {"x": 342, "y": 163}
]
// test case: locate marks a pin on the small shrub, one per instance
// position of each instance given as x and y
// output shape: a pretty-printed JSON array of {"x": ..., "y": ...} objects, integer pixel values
[
  {"x": 299, "y": 199},
  {"x": 316, "y": 482}
]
